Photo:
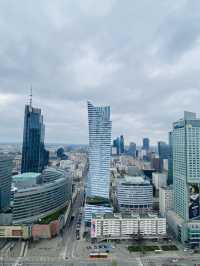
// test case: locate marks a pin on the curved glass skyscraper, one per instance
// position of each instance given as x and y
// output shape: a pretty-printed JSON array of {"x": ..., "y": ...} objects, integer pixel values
[{"x": 100, "y": 127}]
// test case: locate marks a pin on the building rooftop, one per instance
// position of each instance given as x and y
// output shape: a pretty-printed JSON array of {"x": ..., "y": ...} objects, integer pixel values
[
  {"x": 98, "y": 201},
  {"x": 168, "y": 188},
  {"x": 133, "y": 180},
  {"x": 25, "y": 176},
  {"x": 124, "y": 216}
]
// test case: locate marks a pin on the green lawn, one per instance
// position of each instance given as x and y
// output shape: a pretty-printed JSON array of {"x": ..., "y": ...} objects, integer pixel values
[
  {"x": 142, "y": 248},
  {"x": 134, "y": 249},
  {"x": 169, "y": 248},
  {"x": 150, "y": 248},
  {"x": 52, "y": 217},
  {"x": 97, "y": 200}
]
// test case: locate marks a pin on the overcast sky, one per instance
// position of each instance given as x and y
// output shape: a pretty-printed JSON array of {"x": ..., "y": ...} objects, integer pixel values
[{"x": 142, "y": 57}]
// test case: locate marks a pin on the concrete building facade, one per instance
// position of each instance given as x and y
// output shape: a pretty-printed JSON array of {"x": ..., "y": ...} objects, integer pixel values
[
  {"x": 165, "y": 200},
  {"x": 125, "y": 226},
  {"x": 134, "y": 193}
]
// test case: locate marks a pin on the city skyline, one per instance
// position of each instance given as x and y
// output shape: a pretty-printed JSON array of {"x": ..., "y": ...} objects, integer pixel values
[
  {"x": 76, "y": 54},
  {"x": 100, "y": 132},
  {"x": 127, "y": 141}
]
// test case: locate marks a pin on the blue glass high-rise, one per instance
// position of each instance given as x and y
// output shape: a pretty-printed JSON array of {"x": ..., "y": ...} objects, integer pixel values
[
  {"x": 146, "y": 144},
  {"x": 34, "y": 155},
  {"x": 118, "y": 143}
]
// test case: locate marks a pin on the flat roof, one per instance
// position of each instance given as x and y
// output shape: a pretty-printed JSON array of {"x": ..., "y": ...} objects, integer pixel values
[
  {"x": 125, "y": 215},
  {"x": 133, "y": 180},
  {"x": 25, "y": 176}
]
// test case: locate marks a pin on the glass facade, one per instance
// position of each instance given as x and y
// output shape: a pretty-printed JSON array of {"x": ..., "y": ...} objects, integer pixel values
[
  {"x": 185, "y": 141},
  {"x": 186, "y": 166},
  {"x": 163, "y": 150},
  {"x": 99, "y": 151},
  {"x": 6, "y": 165},
  {"x": 170, "y": 161},
  {"x": 34, "y": 155},
  {"x": 146, "y": 144},
  {"x": 33, "y": 203}
]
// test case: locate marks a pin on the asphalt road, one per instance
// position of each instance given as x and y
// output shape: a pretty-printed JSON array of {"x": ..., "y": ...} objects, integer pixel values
[{"x": 69, "y": 234}]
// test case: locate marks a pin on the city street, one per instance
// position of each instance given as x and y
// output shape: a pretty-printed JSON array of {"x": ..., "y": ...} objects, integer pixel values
[{"x": 69, "y": 235}]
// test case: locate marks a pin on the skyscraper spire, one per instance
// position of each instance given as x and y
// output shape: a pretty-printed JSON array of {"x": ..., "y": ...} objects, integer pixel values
[{"x": 31, "y": 96}]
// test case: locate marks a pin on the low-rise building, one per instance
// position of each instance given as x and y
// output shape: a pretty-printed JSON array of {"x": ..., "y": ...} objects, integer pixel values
[
  {"x": 15, "y": 231},
  {"x": 134, "y": 193},
  {"x": 96, "y": 205},
  {"x": 33, "y": 199},
  {"x": 125, "y": 226}
]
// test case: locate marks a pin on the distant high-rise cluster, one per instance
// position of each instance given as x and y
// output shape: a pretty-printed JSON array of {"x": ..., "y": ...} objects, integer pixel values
[{"x": 118, "y": 144}]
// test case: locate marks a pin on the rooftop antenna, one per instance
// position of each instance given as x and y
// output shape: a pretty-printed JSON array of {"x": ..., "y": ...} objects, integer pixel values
[{"x": 31, "y": 96}]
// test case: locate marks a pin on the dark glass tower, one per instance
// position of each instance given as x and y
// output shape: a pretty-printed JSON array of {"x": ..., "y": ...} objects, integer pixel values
[
  {"x": 6, "y": 165},
  {"x": 170, "y": 161},
  {"x": 122, "y": 144},
  {"x": 34, "y": 155},
  {"x": 132, "y": 149},
  {"x": 118, "y": 143},
  {"x": 163, "y": 150},
  {"x": 146, "y": 144}
]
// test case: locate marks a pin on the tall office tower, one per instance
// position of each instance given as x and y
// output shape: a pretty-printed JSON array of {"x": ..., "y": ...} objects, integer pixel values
[
  {"x": 6, "y": 165},
  {"x": 132, "y": 149},
  {"x": 116, "y": 145},
  {"x": 122, "y": 149},
  {"x": 34, "y": 155},
  {"x": 185, "y": 220},
  {"x": 100, "y": 127},
  {"x": 163, "y": 150},
  {"x": 170, "y": 162},
  {"x": 146, "y": 144}
]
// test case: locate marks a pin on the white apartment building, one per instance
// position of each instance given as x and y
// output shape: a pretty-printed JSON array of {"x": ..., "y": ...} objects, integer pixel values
[
  {"x": 165, "y": 200},
  {"x": 124, "y": 226},
  {"x": 159, "y": 180}
]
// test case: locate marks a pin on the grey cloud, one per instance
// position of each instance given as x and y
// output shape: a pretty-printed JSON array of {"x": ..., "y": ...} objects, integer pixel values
[
  {"x": 179, "y": 31},
  {"x": 127, "y": 55}
]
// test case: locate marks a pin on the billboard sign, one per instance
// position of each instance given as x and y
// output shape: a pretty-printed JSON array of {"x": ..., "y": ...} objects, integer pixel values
[
  {"x": 194, "y": 208},
  {"x": 93, "y": 228}
]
